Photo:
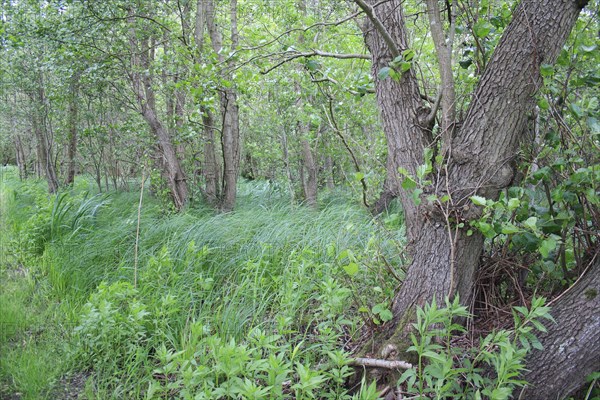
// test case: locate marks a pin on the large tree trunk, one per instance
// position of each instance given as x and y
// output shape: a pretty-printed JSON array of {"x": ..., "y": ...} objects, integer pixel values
[
  {"x": 444, "y": 258},
  {"x": 571, "y": 346}
]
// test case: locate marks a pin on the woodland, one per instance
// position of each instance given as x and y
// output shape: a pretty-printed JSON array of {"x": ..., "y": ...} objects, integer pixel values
[{"x": 299, "y": 199}]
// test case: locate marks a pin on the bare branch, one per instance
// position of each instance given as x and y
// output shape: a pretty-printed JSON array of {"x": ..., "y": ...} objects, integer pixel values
[
  {"x": 314, "y": 53},
  {"x": 376, "y": 363},
  {"x": 379, "y": 26}
]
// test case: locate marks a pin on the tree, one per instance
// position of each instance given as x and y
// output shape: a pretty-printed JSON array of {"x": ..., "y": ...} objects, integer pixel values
[{"x": 444, "y": 173}]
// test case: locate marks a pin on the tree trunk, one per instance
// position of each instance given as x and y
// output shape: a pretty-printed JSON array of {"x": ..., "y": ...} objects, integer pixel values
[
  {"x": 72, "y": 130},
  {"x": 142, "y": 54},
  {"x": 444, "y": 258},
  {"x": 230, "y": 141},
  {"x": 211, "y": 165},
  {"x": 571, "y": 346},
  {"x": 20, "y": 157},
  {"x": 230, "y": 132},
  {"x": 44, "y": 149},
  {"x": 309, "y": 182}
]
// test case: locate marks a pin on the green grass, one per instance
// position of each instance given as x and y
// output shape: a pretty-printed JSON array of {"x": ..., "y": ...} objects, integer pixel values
[{"x": 203, "y": 279}]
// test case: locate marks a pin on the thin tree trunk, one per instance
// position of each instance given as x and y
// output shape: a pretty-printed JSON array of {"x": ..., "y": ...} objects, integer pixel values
[
  {"x": 211, "y": 166},
  {"x": 230, "y": 132},
  {"x": 43, "y": 145},
  {"x": 286, "y": 164},
  {"x": 310, "y": 174},
  {"x": 72, "y": 130},
  {"x": 141, "y": 58},
  {"x": 20, "y": 157}
]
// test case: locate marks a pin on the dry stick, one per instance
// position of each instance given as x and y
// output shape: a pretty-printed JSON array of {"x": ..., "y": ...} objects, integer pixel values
[
  {"x": 376, "y": 363},
  {"x": 137, "y": 232}
]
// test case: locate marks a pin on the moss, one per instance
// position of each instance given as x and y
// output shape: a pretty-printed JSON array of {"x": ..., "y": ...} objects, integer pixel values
[{"x": 590, "y": 294}]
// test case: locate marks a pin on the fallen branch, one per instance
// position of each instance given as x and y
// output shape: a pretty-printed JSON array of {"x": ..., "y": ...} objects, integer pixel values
[{"x": 376, "y": 363}]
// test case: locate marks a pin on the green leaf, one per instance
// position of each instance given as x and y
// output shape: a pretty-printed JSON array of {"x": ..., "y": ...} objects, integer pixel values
[
  {"x": 312, "y": 65},
  {"x": 547, "y": 246},
  {"x": 478, "y": 200},
  {"x": 593, "y": 124},
  {"x": 358, "y": 176},
  {"x": 531, "y": 223},
  {"x": 405, "y": 66},
  {"x": 408, "y": 55},
  {"x": 546, "y": 70},
  {"x": 464, "y": 64},
  {"x": 386, "y": 315},
  {"x": 509, "y": 229},
  {"x": 416, "y": 195},
  {"x": 383, "y": 73},
  {"x": 543, "y": 103},
  {"x": 408, "y": 183},
  {"x": 482, "y": 29},
  {"x": 513, "y": 204},
  {"x": 351, "y": 269}
]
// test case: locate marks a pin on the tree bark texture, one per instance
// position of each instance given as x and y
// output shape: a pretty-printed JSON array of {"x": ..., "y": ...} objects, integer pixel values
[
  {"x": 571, "y": 346},
  {"x": 444, "y": 258}
]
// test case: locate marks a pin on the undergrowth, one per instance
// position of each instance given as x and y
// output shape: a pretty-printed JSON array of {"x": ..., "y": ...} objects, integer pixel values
[{"x": 255, "y": 303}]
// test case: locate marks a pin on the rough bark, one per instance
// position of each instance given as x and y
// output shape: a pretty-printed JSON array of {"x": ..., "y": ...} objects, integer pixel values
[
  {"x": 571, "y": 346},
  {"x": 444, "y": 258}
]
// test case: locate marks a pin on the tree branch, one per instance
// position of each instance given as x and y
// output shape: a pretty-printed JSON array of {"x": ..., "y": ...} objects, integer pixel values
[
  {"x": 379, "y": 27},
  {"x": 376, "y": 363},
  {"x": 315, "y": 53}
]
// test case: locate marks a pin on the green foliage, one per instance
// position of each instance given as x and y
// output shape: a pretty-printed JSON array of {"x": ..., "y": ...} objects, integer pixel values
[{"x": 490, "y": 370}]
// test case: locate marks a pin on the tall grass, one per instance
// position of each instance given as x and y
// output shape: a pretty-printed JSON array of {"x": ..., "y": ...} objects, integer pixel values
[{"x": 269, "y": 265}]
